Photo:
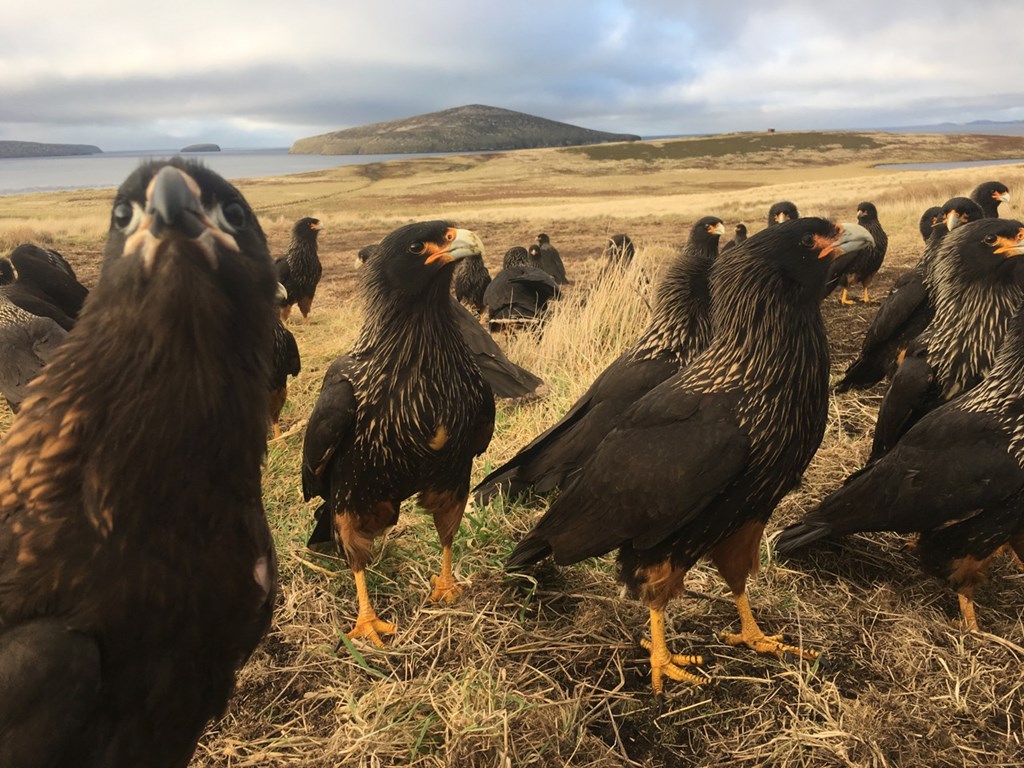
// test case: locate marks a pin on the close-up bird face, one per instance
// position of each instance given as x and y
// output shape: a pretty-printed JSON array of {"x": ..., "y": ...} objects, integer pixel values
[
  {"x": 416, "y": 255},
  {"x": 866, "y": 211},
  {"x": 960, "y": 210},
  {"x": 711, "y": 226},
  {"x": 988, "y": 247},
  {"x": 805, "y": 247},
  {"x": 181, "y": 208},
  {"x": 307, "y": 228}
]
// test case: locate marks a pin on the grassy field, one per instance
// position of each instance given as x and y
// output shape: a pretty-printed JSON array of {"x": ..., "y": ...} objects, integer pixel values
[{"x": 545, "y": 669}]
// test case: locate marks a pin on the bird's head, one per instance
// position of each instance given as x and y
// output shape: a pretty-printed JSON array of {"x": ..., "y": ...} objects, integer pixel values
[
  {"x": 418, "y": 259},
  {"x": 991, "y": 190},
  {"x": 741, "y": 230},
  {"x": 181, "y": 233},
  {"x": 365, "y": 253},
  {"x": 866, "y": 212},
  {"x": 782, "y": 211},
  {"x": 929, "y": 219},
  {"x": 707, "y": 231},
  {"x": 516, "y": 256},
  {"x": 543, "y": 239},
  {"x": 800, "y": 251},
  {"x": 986, "y": 249},
  {"x": 306, "y": 228},
  {"x": 960, "y": 210}
]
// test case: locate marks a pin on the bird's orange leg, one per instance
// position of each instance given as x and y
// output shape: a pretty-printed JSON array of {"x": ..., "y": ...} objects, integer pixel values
[
  {"x": 667, "y": 664},
  {"x": 367, "y": 624},
  {"x": 843, "y": 299},
  {"x": 865, "y": 298},
  {"x": 751, "y": 635},
  {"x": 970, "y": 622},
  {"x": 445, "y": 587}
]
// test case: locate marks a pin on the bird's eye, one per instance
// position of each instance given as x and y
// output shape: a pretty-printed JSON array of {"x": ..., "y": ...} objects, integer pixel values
[
  {"x": 417, "y": 248},
  {"x": 235, "y": 215},
  {"x": 989, "y": 239},
  {"x": 123, "y": 213},
  {"x": 807, "y": 241}
]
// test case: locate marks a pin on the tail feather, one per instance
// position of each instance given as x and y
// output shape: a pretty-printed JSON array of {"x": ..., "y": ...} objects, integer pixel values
[
  {"x": 527, "y": 552},
  {"x": 322, "y": 530},
  {"x": 801, "y": 534}
]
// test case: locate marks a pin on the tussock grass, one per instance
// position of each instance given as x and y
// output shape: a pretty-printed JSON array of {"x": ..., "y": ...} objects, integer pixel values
[{"x": 544, "y": 668}]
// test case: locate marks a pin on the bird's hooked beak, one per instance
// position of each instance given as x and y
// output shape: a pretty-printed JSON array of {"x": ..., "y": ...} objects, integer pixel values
[
  {"x": 281, "y": 292},
  {"x": 849, "y": 238},
  {"x": 781, "y": 216},
  {"x": 1010, "y": 248},
  {"x": 953, "y": 219},
  {"x": 316, "y": 226},
  {"x": 716, "y": 229},
  {"x": 1002, "y": 197},
  {"x": 459, "y": 243},
  {"x": 174, "y": 211}
]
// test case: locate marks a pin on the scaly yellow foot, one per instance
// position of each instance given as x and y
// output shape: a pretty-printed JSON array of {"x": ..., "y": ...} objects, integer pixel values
[
  {"x": 967, "y": 617},
  {"x": 751, "y": 635},
  {"x": 664, "y": 664},
  {"x": 367, "y": 624},
  {"x": 843, "y": 299},
  {"x": 370, "y": 628},
  {"x": 445, "y": 587}
]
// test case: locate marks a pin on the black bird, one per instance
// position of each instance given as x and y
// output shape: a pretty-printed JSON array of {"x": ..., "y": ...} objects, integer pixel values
[
  {"x": 989, "y": 195},
  {"x": 506, "y": 379},
  {"x": 864, "y": 264},
  {"x": 470, "y": 281},
  {"x": 957, "y": 478},
  {"x": 27, "y": 343},
  {"x": 737, "y": 239},
  {"x": 619, "y": 251},
  {"x": 679, "y": 330},
  {"x": 907, "y": 309},
  {"x": 929, "y": 219},
  {"x": 519, "y": 292},
  {"x": 286, "y": 362},
  {"x": 42, "y": 282},
  {"x": 697, "y": 465},
  {"x": 546, "y": 256},
  {"x": 137, "y": 570},
  {"x": 404, "y": 412},
  {"x": 977, "y": 289},
  {"x": 299, "y": 270},
  {"x": 782, "y": 211}
]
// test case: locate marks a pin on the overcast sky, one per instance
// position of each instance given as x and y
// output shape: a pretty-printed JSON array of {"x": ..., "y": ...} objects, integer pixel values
[{"x": 263, "y": 74}]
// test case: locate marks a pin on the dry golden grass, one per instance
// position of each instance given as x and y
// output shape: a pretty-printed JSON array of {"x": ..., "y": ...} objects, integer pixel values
[{"x": 545, "y": 669}]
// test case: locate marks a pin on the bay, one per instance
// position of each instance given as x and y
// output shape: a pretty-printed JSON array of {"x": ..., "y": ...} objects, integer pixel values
[{"x": 23, "y": 175}]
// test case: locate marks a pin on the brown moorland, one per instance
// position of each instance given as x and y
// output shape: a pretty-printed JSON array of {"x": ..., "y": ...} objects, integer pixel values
[{"x": 545, "y": 669}]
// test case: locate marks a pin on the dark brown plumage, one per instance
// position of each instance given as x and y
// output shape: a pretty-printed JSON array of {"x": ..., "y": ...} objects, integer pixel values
[
  {"x": 860, "y": 267},
  {"x": 782, "y": 211},
  {"x": 27, "y": 343},
  {"x": 137, "y": 571},
  {"x": 619, "y": 251},
  {"x": 404, "y": 412},
  {"x": 739, "y": 236},
  {"x": 42, "y": 282},
  {"x": 907, "y": 309},
  {"x": 520, "y": 292},
  {"x": 957, "y": 478},
  {"x": 696, "y": 466},
  {"x": 284, "y": 363},
  {"x": 544, "y": 255},
  {"x": 989, "y": 195},
  {"x": 470, "y": 281},
  {"x": 299, "y": 270},
  {"x": 506, "y": 379},
  {"x": 976, "y": 291},
  {"x": 680, "y": 328}
]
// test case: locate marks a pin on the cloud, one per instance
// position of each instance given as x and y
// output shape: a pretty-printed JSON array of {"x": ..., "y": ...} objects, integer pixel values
[{"x": 264, "y": 73}]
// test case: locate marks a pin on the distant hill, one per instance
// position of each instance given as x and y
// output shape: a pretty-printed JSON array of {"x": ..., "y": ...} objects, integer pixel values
[
  {"x": 986, "y": 127},
  {"x": 200, "y": 148},
  {"x": 472, "y": 128},
  {"x": 36, "y": 149}
]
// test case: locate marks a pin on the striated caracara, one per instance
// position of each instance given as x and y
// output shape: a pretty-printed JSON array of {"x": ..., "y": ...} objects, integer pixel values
[
  {"x": 695, "y": 467},
  {"x": 679, "y": 330},
  {"x": 299, "y": 270},
  {"x": 403, "y": 413},
  {"x": 137, "y": 570}
]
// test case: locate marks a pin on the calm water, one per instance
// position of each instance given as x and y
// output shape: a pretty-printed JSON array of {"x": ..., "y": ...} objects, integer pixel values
[
  {"x": 43, "y": 174},
  {"x": 946, "y": 166}
]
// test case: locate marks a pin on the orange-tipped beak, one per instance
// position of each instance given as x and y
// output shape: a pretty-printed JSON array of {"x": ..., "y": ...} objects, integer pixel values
[
  {"x": 459, "y": 243},
  {"x": 849, "y": 238}
]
